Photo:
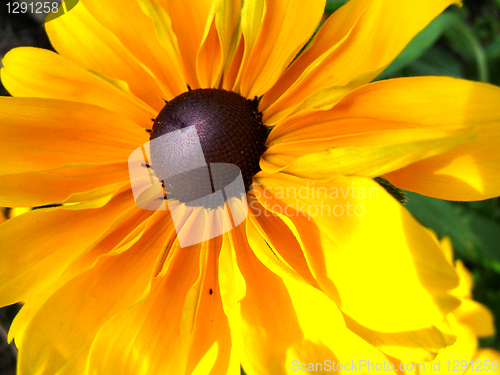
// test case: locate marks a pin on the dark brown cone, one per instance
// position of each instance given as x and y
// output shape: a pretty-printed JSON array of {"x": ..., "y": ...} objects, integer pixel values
[{"x": 230, "y": 130}]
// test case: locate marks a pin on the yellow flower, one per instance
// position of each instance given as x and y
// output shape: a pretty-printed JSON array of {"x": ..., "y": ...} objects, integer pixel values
[
  {"x": 340, "y": 272},
  {"x": 470, "y": 321}
]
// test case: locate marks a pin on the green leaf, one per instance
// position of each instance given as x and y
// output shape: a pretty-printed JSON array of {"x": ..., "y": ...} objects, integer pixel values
[
  {"x": 475, "y": 238},
  {"x": 493, "y": 50},
  {"x": 421, "y": 43},
  {"x": 495, "y": 71},
  {"x": 488, "y": 232},
  {"x": 333, "y": 5},
  {"x": 463, "y": 40},
  {"x": 436, "y": 62}
]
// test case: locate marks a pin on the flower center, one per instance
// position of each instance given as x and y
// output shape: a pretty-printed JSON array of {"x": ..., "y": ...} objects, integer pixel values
[{"x": 229, "y": 130}]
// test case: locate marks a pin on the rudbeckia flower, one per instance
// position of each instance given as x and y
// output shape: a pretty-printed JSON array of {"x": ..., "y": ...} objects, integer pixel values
[
  {"x": 327, "y": 265},
  {"x": 470, "y": 321}
]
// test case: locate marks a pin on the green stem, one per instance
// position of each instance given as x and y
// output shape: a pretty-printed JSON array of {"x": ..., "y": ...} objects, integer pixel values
[{"x": 463, "y": 31}]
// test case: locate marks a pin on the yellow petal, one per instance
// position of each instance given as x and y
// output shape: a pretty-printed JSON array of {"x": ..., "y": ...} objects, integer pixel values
[
  {"x": 410, "y": 346},
  {"x": 462, "y": 350},
  {"x": 139, "y": 29},
  {"x": 59, "y": 185},
  {"x": 231, "y": 74},
  {"x": 430, "y": 103},
  {"x": 390, "y": 151},
  {"x": 209, "y": 63},
  {"x": 118, "y": 240},
  {"x": 219, "y": 42},
  {"x": 365, "y": 250},
  {"x": 476, "y": 316},
  {"x": 64, "y": 133},
  {"x": 189, "y": 38},
  {"x": 442, "y": 112},
  {"x": 58, "y": 337},
  {"x": 51, "y": 240},
  {"x": 274, "y": 244},
  {"x": 469, "y": 171},
  {"x": 447, "y": 248},
  {"x": 470, "y": 313},
  {"x": 29, "y": 72},
  {"x": 204, "y": 302},
  {"x": 274, "y": 32},
  {"x": 16, "y": 211},
  {"x": 464, "y": 288},
  {"x": 485, "y": 354},
  {"x": 354, "y": 46},
  {"x": 157, "y": 336},
  {"x": 252, "y": 15},
  {"x": 353, "y": 146},
  {"x": 280, "y": 321},
  {"x": 3, "y": 215},
  {"x": 81, "y": 39}
]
